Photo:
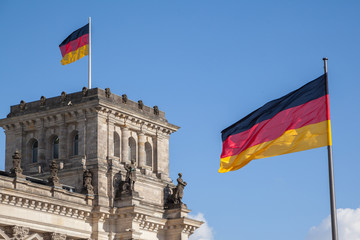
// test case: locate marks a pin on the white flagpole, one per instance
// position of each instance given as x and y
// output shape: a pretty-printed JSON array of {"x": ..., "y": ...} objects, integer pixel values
[
  {"x": 334, "y": 230},
  {"x": 89, "y": 52}
]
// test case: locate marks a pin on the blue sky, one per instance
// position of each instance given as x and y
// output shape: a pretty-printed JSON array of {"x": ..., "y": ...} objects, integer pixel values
[{"x": 208, "y": 63}]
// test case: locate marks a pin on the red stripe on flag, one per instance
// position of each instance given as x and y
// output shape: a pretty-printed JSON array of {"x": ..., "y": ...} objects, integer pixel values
[
  {"x": 314, "y": 111},
  {"x": 74, "y": 44}
]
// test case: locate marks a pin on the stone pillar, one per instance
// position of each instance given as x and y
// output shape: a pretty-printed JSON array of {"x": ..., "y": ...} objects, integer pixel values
[
  {"x": 162, "y": 144},
  {"x": 41, "y": 142},
  {"x": 82, "y": 136},
  {"x": 125, "y": 134},
  {"x": 102, "y": 136},
  {"x": 91, "y": 137},
  {"x": 141, "y": 144},
  {"x": 100, "y": 182},
  {"x": 9, "y": 146},
  {"x": 110, "y": 138},
  {"x": 19, "y": 138},
  {"x": 63, "y": 138},
  {"x": 178, "y": 226}
]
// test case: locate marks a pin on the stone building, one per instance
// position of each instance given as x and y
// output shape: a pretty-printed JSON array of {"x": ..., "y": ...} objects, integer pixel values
[{"x": 90, "y": 165}]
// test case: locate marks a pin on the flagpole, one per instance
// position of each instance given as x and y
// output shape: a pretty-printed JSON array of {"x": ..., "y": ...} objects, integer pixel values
[
  {"x": 331, "y": 167},
  {"x": 89, "y": 52}
]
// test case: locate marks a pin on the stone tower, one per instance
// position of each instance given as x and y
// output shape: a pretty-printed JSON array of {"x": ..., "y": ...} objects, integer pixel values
[{"x": 95, "y": 153}]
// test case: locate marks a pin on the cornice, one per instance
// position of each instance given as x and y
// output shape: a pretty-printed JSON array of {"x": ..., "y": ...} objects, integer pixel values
[{"x": 43, "y": 206}]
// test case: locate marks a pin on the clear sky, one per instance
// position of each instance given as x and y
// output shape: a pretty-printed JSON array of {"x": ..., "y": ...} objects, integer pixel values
[{"x": 207, "y": 64}]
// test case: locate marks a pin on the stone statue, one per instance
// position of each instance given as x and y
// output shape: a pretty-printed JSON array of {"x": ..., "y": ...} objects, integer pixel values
[
  {"x": 22, "y": 105},
  {"x": 63, "y": 97},
  {"x": 107, "y": 92},
  {"x": 53, "y": 179},
  {"x": 127, "y": 187},
  {"x": 175, "y": 199},
  {"x": 42, "y": 101},
  {"x": 84, "y": 91},
  {"x": 179, "y": 190},
  {"x": 140, "y": 104},
  {"x": 156, "y": 110},
  {"x": 131, "y": 175},
  {"x": 87, "y": 183},
  {"x": 124, "y": 98},
  {"x": 16, "y": 170}
]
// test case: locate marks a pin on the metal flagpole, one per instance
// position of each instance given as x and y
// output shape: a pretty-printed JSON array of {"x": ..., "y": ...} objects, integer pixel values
[
  {"x": 89, "y": 52},
  {"x": 331, "y": 167}
]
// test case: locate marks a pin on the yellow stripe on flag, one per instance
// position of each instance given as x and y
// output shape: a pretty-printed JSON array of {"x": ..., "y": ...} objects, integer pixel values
[
  {"x": 75, "y": 55},
  {"x": 295, "y": 140}
]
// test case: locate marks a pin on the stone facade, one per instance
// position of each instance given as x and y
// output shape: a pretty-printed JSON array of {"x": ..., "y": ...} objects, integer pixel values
[{"x": 75, "y": 149}]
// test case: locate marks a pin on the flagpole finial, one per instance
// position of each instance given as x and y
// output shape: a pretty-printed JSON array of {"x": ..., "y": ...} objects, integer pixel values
[{"x": 325, "y": 58}]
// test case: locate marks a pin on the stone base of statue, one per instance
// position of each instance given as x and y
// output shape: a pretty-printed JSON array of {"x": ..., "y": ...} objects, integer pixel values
[
  {"x": 54, "y": 183},
  {"x": 177, "y": 212},
  {"x": 126, "y": 196},
  {"x": 175, "y": 205},
  {"x": 127, "y": 199},
  {"x": 125, "y": 190}
]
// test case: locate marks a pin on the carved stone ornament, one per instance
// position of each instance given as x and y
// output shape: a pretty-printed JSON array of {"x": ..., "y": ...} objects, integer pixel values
[
  {"x": 174, "y": 200},
  {"x": 124, "y": 98},
  {"x": 84, "y": 91},
  {"x": 53, "y": 179},
  {"x": 42, "y": 101},
  {"x": 54, "y": 236},
  {"x": 16, "y": 170},
  {"x": 140, "y": 104},
  {"x": 107, "y": 92},
  {"x": 63, "y": 97},
  {"x": 87, "y": 183},
  {"x": 17, "y": 232},
  {"x": 22, "y": 105},
  {"x": 156, "y": 110}
]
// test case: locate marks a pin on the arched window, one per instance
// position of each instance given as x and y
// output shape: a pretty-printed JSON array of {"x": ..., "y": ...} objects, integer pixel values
[
  {"x": 55, "y": 147},
  {"x": 76, "y": 145},
  {"x": 116, "y": 145},
  {"x": 132, "y": 149},
  {"x": 34, "y": 151},
  {"x": 148, "y": 154}
]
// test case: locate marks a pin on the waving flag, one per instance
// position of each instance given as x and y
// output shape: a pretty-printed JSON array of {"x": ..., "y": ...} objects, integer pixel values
[
  {"x": 298, "y": 121},
  {"x": 75, "y": 46}
]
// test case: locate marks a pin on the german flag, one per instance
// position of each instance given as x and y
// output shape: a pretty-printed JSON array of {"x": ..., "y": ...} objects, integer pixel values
[
  {"x": 296, "y": 122},
  {"x": 75, "y": 46}
]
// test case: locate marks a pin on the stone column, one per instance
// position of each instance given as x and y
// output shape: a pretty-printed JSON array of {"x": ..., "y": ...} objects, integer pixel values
[
  {"x": 9, "y": 146},
  {"x": 102, "y": 136},
  {"x": 63, "y": 153},
  {"x": 110, "y": 129},
  {"x": 141, "y": 144},
  {"x": 41, "y": 142},
  {"x": 125, "y": 134},
  {"x": 19, "y": 138},
  {"x": 162, "y": 144},
  {"x": 82, "y": 136}
]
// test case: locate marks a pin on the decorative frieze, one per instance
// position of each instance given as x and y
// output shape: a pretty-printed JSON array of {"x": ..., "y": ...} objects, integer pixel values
[
  {"x": 43, "y": 206},
  {"x": 17, "y": 232},
  {"x": 54, "y": 236}
]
